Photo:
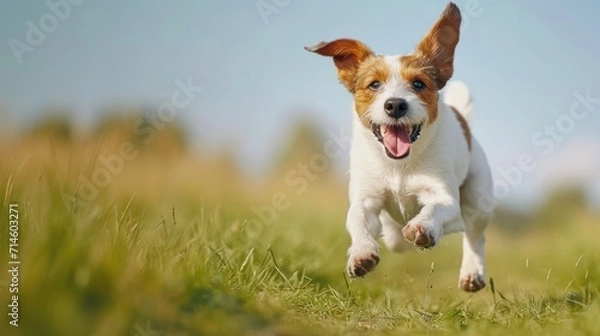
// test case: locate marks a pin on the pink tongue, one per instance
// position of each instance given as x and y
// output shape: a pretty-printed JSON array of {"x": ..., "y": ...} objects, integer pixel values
[{"x": 396, "y": 140}]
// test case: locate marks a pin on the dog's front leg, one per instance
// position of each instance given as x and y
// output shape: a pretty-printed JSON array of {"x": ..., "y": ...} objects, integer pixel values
[
  {"x": 440, "y": 206},
  {"x": 364, "y": 227}
]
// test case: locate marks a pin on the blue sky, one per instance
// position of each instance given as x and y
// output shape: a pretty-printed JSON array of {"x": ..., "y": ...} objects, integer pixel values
[{"x": 523, "y": 60}]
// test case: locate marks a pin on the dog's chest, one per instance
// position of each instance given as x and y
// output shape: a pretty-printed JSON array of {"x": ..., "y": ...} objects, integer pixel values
[{"x": 401, "y": 202}]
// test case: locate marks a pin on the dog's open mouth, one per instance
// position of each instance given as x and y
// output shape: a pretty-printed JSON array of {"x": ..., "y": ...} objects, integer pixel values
[{"x": 397, "y": 138}]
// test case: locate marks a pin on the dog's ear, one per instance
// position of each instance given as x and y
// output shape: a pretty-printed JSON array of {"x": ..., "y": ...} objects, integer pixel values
[
  {"x": 347, "y": 55},
  {"x": 437, "y": 47}
]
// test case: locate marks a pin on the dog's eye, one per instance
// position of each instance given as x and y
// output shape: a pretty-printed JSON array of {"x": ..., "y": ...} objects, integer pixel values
[
  {"x": 418, "y": 85},
  {"x": 375, "y": 85}
]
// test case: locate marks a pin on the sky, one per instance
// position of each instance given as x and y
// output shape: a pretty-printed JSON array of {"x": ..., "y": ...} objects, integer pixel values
[{"x": 527, "y": 63}]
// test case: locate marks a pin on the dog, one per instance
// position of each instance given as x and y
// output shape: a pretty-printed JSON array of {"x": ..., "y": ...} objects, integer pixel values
[{"x": 416, "y": 171}]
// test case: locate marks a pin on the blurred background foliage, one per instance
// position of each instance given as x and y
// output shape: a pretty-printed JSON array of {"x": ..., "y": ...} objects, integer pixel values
[
  {"x": 167, "y": 239},
  {"x": 54, "y": 145}
]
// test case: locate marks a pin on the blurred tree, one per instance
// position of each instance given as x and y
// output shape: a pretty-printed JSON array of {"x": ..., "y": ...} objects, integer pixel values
[
  {"x": 226, "y": 162},
  {"x": 304, "y": 142},
  {"x": 54, "y": 125},
  {"x": 562, "y": 206},
  {"x": 143, "y": 128},
  {"x": 7, "y": 125},
  {"x": 512, "y": 220}
]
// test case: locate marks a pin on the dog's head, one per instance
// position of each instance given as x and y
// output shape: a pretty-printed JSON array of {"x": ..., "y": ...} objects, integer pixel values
[{"x": 397, "y": 96}]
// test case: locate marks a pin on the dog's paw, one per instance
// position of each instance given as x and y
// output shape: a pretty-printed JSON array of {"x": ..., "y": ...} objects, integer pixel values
[
  {"x": 422, "y": 235},
  {"x": 471, "y": 282},
  {"x": 362, "y": 259}
]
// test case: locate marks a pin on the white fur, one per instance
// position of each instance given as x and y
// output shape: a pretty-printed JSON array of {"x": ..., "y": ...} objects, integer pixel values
[
  {"x": 389, "y": 197},
  {"x": 456, "y": 93}
]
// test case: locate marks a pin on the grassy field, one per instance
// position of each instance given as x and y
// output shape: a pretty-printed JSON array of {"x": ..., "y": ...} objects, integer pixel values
[{"x": 167, "y": 246}]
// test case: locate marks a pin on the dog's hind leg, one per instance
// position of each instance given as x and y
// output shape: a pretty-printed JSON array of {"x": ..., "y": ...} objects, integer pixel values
[{"x": 477, "y": 205}]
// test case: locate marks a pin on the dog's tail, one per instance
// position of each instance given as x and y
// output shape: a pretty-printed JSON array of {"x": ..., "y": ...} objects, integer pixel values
[{"x": 457, "y": 95}]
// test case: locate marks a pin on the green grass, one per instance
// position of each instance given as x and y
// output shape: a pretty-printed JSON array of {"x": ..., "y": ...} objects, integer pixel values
[{"x": 128, "y": 266}]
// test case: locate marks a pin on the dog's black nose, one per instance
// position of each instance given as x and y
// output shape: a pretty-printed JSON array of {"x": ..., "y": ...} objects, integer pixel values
[{"x": 395, "y": 107}]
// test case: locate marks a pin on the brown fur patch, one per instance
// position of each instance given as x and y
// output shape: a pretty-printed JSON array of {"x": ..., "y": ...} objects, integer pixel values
[
  {"x": 464, "y": 125},
  {"x": 437, "y": 47},
  {"x": 373, "y": 69},
  {"x": 414, "y": 68},
  {"x": 347, "y": 55},
  {"x": 432, "y": 62}
]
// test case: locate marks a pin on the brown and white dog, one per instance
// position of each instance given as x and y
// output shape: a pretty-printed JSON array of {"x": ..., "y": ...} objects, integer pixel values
[{"x": 416, "y": 173}]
